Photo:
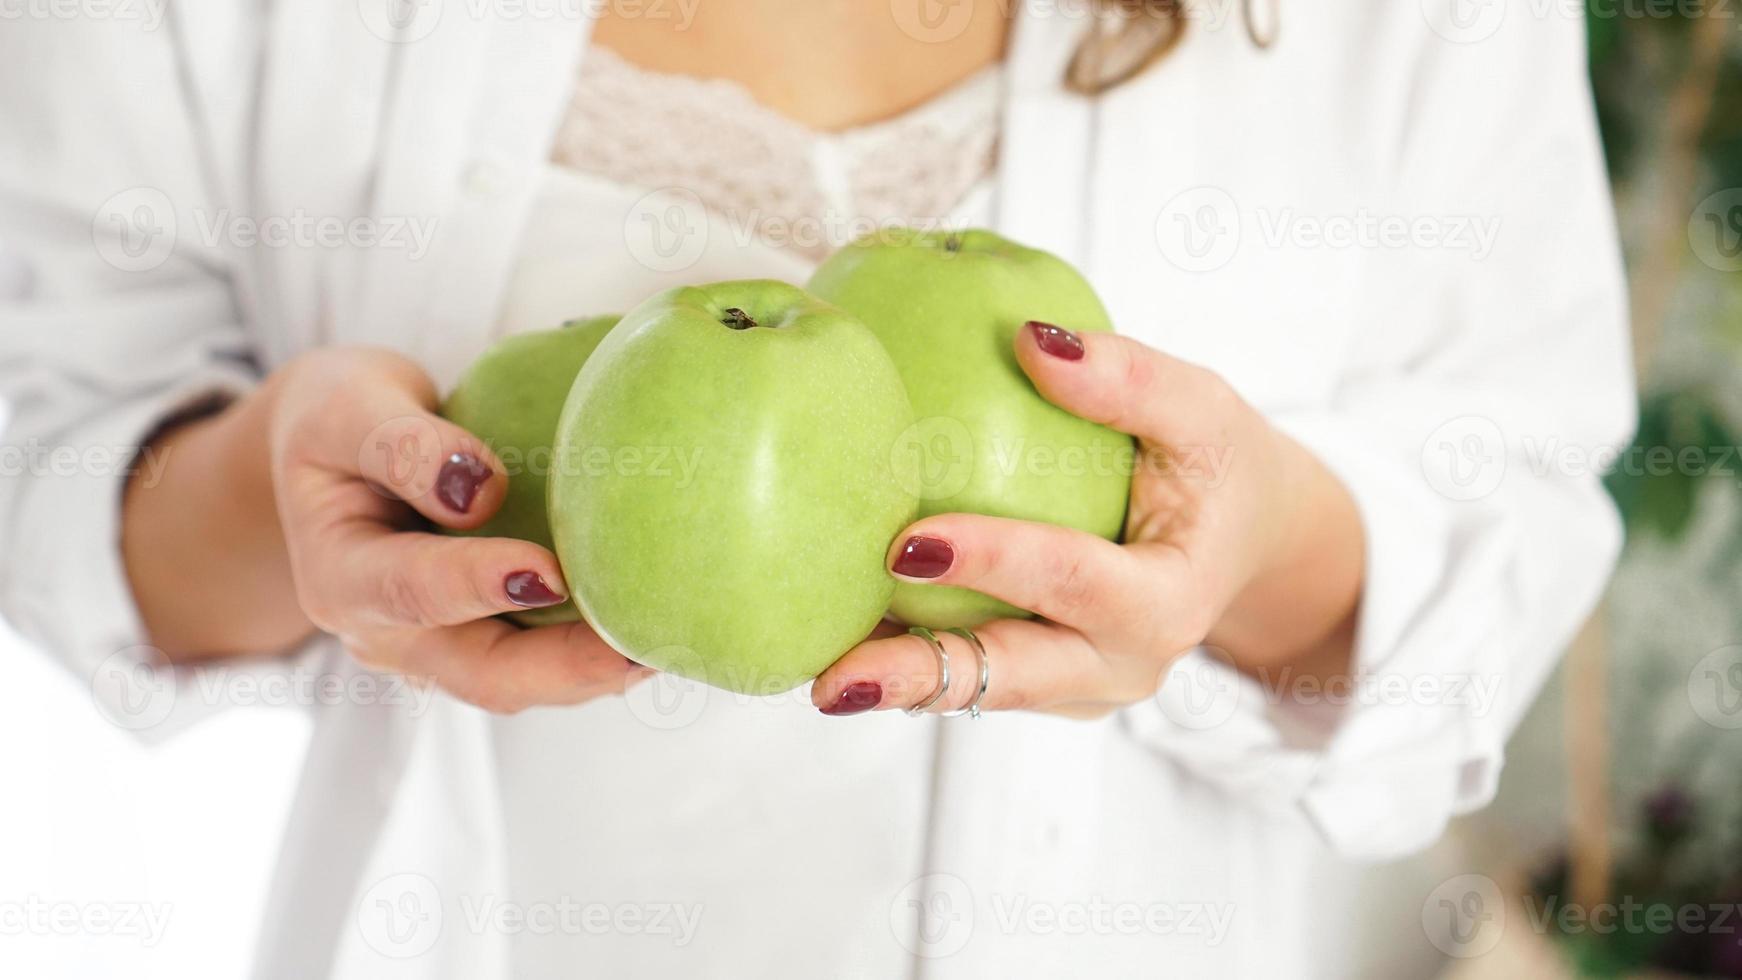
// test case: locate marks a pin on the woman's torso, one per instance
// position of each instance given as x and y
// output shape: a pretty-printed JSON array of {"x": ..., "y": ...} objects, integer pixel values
[
  {"x": 754, "y": 836},
  {"x": 1008, "y": 823}
]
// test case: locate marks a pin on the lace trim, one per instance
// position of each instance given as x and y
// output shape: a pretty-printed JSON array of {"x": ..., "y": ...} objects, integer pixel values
[{"x": 792, "y": 185}]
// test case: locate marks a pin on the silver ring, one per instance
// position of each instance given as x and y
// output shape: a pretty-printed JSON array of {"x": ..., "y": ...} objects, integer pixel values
[
  {"x": 943, "y": 656},
  {"x": 973, "y": 708}
]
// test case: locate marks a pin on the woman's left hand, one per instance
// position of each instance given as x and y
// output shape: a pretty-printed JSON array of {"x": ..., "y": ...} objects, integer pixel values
[{"x": 1235, "y": 536}]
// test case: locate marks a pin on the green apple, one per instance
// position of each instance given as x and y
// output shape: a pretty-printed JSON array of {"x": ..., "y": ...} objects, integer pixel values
[
  {"x": 723, "y": 492},
  {"x": 511, "y": 397},
  {"x": 947, "y": 307}
]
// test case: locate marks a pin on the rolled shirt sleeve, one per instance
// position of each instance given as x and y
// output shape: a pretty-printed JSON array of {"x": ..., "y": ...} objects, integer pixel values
[
  {"x": 109, "y": 325},
  {"x": 1470, "y": 433}
]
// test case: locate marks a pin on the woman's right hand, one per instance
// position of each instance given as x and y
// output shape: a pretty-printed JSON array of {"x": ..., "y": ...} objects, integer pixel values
[{"x": 354, "y": 454}]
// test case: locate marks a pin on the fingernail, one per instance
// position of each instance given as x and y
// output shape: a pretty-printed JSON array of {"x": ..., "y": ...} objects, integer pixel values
[
  {"x": 859, "y": 697},
  {"x": 529, "y": 589},
  {"x": 1057, "y": 341},
  {"x": 923, "y": 557},
  {"x": 458, "y": 482}
]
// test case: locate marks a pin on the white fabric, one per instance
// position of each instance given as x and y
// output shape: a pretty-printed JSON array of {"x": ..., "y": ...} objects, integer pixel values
[
  {"x": 801, "y": 783},
  {"x": 781, "y": 181},
  {"x": 1402, "y": 366}
]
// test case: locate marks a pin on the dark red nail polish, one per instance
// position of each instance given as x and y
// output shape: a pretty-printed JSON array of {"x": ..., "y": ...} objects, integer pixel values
[
  {"x": 458, "y": 482},
  {"x": 923, "y": 557},
  {"x": 859, "y": 697},
  {"x": 529, "y": 589},
  {"x": 1057, "y": 341}
]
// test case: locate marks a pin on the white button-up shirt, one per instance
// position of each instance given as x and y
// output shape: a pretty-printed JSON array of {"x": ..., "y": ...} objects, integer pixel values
[{"x": 1392, "y": 233}]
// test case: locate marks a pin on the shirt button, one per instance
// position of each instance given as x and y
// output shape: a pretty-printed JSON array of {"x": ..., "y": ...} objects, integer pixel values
[{"x": 486, "y": 180}]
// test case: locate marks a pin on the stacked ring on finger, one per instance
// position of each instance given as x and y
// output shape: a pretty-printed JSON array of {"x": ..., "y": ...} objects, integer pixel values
[
  {"x": 943, "y": 656},
  {"x": 972, "y": 709}
]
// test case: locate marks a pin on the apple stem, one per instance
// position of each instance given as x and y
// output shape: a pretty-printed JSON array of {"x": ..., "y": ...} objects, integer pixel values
[
  {"x": 737, "y": 319},
  {"x": 953, "y": 243}
]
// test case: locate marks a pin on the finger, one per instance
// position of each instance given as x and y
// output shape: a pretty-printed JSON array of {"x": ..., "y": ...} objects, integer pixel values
[
  {"x": 373, "y": 577},
  {"x": 1126, "y": 385},
  {"x": 1066, "y": 575},
  {"x": 1031, "y": 665},
  {"x": 886, "y": 628},
  {"x": 503, "y": 669},
  {"x": 384, "y": 428}
]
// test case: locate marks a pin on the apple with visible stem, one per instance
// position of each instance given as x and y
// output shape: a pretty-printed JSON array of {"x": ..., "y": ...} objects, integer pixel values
[
  {"x": 947, "y": 307},
  {"x": 511, "y": 397},
  {"x": 723, "y": 492}
]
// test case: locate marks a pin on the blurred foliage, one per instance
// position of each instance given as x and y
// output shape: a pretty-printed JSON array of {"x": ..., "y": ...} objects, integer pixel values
[
  {"x": 1656, "y": 490},
  {"x": 1661, "y": 888},
  {"x": 1677, "y": 487},
  {"x": 1639, "y": 56},
  {"x": 1635, "y": 59}
]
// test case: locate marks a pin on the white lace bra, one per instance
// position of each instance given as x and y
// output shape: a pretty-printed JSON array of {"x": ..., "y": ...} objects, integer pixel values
[{"x": 642, "y": 128}]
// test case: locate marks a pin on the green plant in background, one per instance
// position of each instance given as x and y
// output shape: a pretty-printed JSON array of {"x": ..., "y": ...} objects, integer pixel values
[
  {"x": 1668, "y": 80},
  {"x": 1676, "y": 908},
  {"x": 1684, "y": 444}
]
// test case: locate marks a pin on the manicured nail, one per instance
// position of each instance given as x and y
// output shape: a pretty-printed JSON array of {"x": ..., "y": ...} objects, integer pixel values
[
  {"x": 529, "y": 589},
  {"x": 1057, "y": 341},
  {"x": 458, "y": 482},
  {"x": 923, "y": 557},
  {"x": 859, "y": 697}
]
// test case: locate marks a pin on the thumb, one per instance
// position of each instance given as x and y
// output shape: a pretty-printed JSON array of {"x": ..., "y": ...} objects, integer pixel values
[
  {"x": 375, "y": 417},
  {"x": 1126, "y": 385}
]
